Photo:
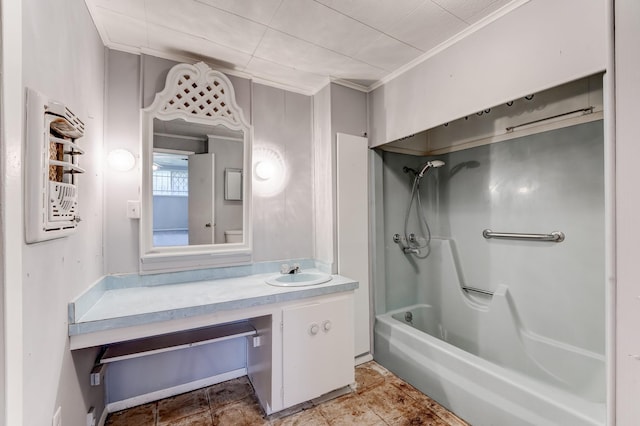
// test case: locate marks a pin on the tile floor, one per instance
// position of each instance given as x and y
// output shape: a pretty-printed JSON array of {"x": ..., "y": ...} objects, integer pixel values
[{"x": 380, "y": 398}]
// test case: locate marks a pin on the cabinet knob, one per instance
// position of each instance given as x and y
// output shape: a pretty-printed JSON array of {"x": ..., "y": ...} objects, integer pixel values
[
  {"x": 326, "y": 326},
  {"x": 313, "y": 329}
]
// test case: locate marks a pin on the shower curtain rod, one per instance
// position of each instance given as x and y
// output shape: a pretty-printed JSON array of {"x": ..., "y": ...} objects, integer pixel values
[{"x": 587, "y": 110}]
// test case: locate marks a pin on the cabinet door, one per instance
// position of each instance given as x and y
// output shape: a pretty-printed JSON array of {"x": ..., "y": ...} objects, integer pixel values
[{"x": 317, "y": 348}]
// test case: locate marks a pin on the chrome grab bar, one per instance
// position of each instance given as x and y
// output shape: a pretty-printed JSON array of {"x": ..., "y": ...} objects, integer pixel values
[
  {"x": 477, "y": 290},
  {"x": 555, "y": 236}
]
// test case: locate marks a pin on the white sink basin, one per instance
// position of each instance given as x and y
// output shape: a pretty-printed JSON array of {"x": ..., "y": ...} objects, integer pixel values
[{"x": 299, "y": 279}]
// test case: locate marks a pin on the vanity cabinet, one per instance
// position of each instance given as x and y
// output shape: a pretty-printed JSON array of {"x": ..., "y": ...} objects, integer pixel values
[
  {"x": 299, "y": 340},
  {"x": 318, "y": 348}
]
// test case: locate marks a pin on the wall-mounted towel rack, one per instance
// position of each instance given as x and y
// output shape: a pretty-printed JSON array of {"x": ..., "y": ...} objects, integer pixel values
[
  {"x": 555, "y": 236},
  {"x": 52, "y": 157}
]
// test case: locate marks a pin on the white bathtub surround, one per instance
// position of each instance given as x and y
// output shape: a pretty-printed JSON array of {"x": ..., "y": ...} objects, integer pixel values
[
  {"x": 478, "y": 391},
  {"x": 531, "y": 350},
  {"x": 476, "y": 357}
]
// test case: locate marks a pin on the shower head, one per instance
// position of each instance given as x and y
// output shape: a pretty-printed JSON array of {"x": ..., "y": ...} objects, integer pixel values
[{"x": 430, "y": 164}]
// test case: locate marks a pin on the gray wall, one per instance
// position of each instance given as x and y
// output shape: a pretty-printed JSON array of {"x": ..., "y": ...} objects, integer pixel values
[
  {"x": 63, "y": 57},
  {"x": 336, "y": 109},
  {"x": 348, "y": 111},
  {"x": 170, "y": 212},
  {"x": 122, "y": 130},
  {"x": 283, "y": 223},
  {"x": 139, "y": 376},
  {"x": 228, "y": 213},
  {"x": 323, "y": 165},
  {"x": 536, "y": 184}
]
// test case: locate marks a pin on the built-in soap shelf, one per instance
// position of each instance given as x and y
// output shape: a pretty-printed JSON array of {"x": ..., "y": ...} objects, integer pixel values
[{"x": 51, "y": 168}]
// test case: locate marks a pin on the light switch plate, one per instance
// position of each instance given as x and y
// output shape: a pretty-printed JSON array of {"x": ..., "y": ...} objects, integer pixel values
[{"x": 133, "y": 209}]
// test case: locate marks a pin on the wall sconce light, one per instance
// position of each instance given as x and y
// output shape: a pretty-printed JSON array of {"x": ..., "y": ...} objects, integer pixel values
[
  {"x": 121, "y": 160},
  {"x": 270, "y": 174},
  {"x": 264, "y": 170}
]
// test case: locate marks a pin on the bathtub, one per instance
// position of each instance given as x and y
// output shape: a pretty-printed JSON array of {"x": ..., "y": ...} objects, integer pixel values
[{"x": 474, "y": 356}]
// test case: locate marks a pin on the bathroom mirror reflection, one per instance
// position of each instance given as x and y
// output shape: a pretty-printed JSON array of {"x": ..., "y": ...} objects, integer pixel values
[
  {"x": 191, "y": 205},
  {"x": 192, "y": 132}
]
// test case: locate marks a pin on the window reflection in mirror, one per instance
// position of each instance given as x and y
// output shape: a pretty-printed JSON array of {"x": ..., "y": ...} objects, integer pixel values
[
  {"x": 170, "y": 198},
  {"x": 188, "y": 181}
]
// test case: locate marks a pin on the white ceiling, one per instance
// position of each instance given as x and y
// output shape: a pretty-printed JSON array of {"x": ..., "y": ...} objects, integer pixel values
[{"x": 298, "y": 44}]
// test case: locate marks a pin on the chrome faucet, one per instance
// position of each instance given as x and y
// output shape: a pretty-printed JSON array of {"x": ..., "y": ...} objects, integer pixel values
[{"x": 286, "y": 269}]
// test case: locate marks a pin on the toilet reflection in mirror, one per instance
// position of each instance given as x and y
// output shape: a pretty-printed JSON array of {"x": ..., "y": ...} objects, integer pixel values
[{"x": 191, "y": 202}]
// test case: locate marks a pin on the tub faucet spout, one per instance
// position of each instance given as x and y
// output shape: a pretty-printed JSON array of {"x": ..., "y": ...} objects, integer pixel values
[{"x": 413, "y": 250}]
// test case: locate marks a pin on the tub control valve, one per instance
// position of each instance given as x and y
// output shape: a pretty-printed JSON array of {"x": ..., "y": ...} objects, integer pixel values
[{"x": 313, "y": 329}]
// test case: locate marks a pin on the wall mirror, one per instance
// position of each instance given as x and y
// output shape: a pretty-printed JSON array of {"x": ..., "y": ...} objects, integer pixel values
[{"x": 196, "y": 186}]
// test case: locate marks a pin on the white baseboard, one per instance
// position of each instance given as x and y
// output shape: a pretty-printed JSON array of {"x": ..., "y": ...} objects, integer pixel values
[
  {"x": 176, "y": 390},
  {"x": 363, "y": 358}
]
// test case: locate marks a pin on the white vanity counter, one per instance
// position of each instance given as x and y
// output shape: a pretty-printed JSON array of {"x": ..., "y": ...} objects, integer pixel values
[{"x": 105, "y": 312}]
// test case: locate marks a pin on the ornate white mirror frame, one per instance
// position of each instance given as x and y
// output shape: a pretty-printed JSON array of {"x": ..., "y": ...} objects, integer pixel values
[{"x": 200, "y": 95}]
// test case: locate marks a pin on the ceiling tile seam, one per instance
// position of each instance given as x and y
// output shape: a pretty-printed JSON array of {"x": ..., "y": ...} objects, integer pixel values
[
  {"x": 290, "y": 67},
  {"x": 325, "y": 48},
  {"x": 102, "y": 25},
  {"x": 275, "y": 12},
  {"x": 196, "y": 36},
  {"x": 146, "y": 19},
  {"x": 252, "y": 55},
  {"x": 377, "y": 29},
  {"x": 480, "y": 12},
  {"x": 450, "y": 13},
  {"x": 307, "y": 90},
  {"x": 246, "y": 18},
  {"x": 266, "y": 27}
]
